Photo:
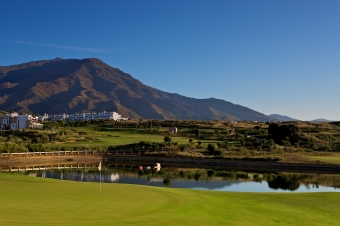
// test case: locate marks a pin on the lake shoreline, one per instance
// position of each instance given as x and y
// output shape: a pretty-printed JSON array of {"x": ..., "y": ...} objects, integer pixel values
[{"x": 172, "y": 161}]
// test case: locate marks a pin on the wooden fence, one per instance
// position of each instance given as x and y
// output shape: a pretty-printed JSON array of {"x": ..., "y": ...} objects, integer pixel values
[
  {"x": 86, "y": 152},
  {"x": 47, "y": 167}
]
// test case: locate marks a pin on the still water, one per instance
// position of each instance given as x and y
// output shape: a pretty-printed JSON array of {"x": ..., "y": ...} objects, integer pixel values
[{"x": 197, "y": 178}]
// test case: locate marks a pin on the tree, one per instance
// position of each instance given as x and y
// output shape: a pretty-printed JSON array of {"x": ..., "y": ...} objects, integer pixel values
[
  {"x": 190, "y": 140},
  {"x": 182, "y": 147},
  {"x": 211, "y": 148},
  {"x": 197, "y": 133},
  {"x": 286, "y": 132},
  {"x": 167, "y": 139},
  {"x": 257, "y": 128},
  {"x": 272, "y": 128}
]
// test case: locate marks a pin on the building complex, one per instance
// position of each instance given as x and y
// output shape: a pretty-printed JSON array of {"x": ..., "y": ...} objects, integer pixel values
[
  {"x": 13, "y": 121},
  {"x": 83, "y": 117}
]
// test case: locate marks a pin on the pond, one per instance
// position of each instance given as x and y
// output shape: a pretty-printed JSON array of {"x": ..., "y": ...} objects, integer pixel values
[{"x": 217, "y": 179}]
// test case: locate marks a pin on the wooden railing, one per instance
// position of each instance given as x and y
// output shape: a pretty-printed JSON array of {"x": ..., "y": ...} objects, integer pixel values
[
  {"x": 85, "y": 152},
  {"x": 47, "y": 167}
]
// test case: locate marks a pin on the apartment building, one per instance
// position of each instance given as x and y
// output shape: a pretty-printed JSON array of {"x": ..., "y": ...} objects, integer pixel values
[
  {"x": 87, "y": 116},
  {"x": 15, "y": 121}
]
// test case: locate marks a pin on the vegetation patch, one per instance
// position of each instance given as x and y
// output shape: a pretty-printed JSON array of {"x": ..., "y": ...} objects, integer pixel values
[{"x": 215, "y": 139}]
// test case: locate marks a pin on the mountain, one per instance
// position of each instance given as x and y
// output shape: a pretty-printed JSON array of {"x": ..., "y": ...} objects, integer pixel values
[
  {"x": 90, "y": 85},
  {"x": 322, "y": 120},
  {"x": 282, "y": 117}
]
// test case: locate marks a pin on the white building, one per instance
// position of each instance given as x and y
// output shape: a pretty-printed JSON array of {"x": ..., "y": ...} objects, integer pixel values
[
  {"x": 56, "y": 117},
  {"x": 87, "y": 116},
  {"x": 42, "y": 118},
  {"x": 173, "y": 129},
  {"x": 15, "y": 121}
]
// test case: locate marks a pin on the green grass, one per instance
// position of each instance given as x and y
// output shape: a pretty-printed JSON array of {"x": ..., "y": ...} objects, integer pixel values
[
  {"x": 111, "y": 137},
  {"x": 329, "y": 158},
  {"x": 38, "y": 201},
  {"x": 333, "y": 158}
]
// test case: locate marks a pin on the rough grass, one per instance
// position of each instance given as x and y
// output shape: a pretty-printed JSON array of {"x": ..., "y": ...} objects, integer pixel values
[{"x": 38, "y": 201}]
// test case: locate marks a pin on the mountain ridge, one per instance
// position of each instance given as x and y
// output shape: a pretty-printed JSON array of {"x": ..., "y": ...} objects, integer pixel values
[
  {"x": 89, "y": 85},
  {"x": 321, "y": 120},
  {"x": 282, "y": 117}
]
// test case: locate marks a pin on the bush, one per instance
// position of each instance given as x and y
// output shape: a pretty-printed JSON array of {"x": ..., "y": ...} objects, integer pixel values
[
  {"x": 182, "y": 147},
  {"x": 34, "y": 147},
  {"x": 285, "y": 143}
]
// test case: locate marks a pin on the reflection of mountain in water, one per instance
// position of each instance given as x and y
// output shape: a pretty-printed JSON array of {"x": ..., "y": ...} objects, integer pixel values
[
  {"x": 285, "y": 183},
  {"x": 78, "y": 176}
]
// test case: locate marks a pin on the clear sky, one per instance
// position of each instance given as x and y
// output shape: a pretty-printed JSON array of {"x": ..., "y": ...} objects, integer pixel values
[{"x": 273, "y": 56}]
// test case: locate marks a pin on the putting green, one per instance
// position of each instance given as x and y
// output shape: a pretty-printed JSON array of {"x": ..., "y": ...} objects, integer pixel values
[{"x": 38, "y": 201}]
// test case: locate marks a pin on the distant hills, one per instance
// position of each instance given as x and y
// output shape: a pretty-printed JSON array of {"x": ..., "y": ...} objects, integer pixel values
[
  {"x": 322, "y": 120},
  {"x": 90, "y": 85},
  {"x": 286, "y": 118},
  {"x": 282, "y": 117}
]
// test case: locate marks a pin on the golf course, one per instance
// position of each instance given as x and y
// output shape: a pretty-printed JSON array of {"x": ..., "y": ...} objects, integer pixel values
[{"x": 39, "y": 201}]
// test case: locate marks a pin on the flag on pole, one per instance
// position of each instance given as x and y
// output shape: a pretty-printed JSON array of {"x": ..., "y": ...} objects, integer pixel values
[{"x": 100, "y": 166}]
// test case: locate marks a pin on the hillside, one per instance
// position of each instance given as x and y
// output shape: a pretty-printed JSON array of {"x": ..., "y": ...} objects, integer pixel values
[
  {"x": 89, "y": 85},
  {"x": 282, "y": 117},
  {"x": 321, "y": 120}
]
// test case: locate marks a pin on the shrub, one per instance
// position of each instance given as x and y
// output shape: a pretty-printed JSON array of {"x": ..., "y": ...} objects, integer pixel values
[{"x": 182, "y": 147}]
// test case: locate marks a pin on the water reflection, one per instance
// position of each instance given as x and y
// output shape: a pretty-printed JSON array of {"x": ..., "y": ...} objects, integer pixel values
[
  {"x": 193, "y": 178},
  {"x": 284, "y": 182}
]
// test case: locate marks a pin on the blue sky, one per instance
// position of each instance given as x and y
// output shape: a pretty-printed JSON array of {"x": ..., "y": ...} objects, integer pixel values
[{"x": 273, "y": 56}]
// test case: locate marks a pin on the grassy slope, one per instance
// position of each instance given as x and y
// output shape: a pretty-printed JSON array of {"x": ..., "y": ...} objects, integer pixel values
[
  {"x": 333, "y": 158},
  {"x": 38, "y": 201},
  {"x": 329, "y": 158},
  {"x": 112, "y": 138}
]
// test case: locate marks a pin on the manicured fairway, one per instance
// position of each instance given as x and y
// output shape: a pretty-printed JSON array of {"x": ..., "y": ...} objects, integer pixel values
[
  {"x": 38, "y": 201},
  {"x": 121, "y": 137},
  {"x": 333, "y": 158}
]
